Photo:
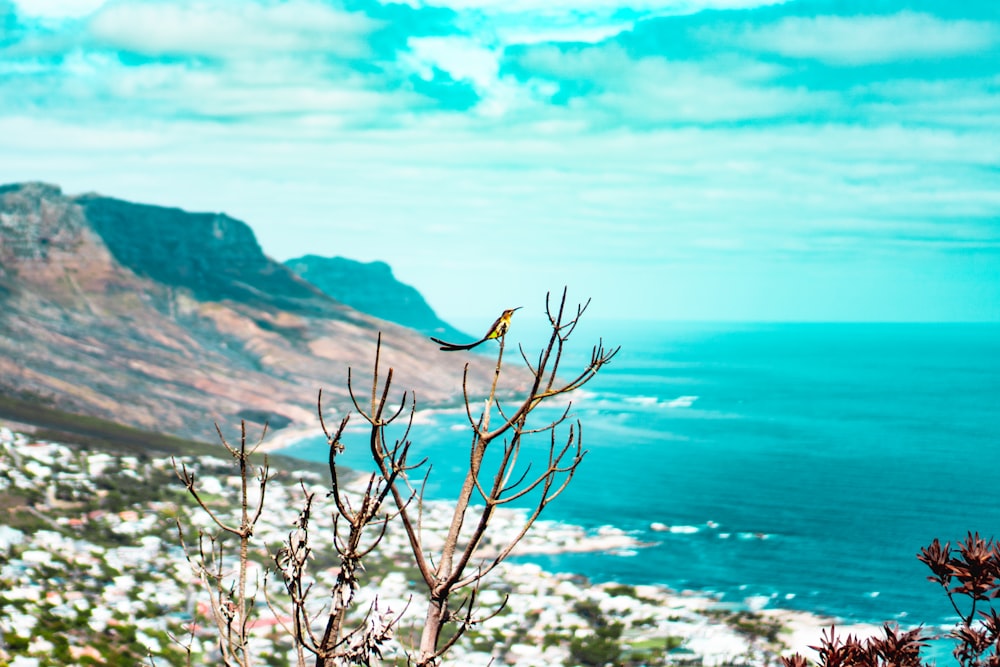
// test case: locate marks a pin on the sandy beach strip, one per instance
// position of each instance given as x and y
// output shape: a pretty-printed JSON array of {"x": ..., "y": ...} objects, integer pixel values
[
  {"x": 288, "y": 436},
  {"x": 805, "y": 629},
  {"x": 293, "y": 433}
]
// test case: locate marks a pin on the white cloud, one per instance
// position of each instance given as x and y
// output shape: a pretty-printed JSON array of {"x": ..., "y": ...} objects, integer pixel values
[
  {"x": 535, "y": 34},
  {"x": 655, "y": 165},
  {"x": 861, "y": 40},
  {"x": 461, "y": 57},
  {"x": 303, "y": 94},
  {"x": 293, "y": 90},
  {"x": 960, "y": 102},
  {"x": 467, "y": 59},
  {"x": 222, "y": 29},
  {"x": 586, "y": 21},
  {"x": 584, "y": 6},
  {"x": 604, "y": 212},
  {"x": 658, "y": 90},
  {"x": 57, "y": 9},
  {"x": 42, "y": 137}
]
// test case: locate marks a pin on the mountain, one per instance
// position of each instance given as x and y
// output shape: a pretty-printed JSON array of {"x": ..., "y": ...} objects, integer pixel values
[
  {"x": 371, "y": 288},
  {"x": 171, "y": 321}
]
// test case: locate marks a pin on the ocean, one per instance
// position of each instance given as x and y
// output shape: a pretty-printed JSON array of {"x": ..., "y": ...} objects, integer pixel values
[{"x": 799, "y": 466}]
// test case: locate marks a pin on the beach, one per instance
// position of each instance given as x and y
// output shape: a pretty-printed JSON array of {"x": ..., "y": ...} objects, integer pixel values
[{"x": 288, "y": 436}]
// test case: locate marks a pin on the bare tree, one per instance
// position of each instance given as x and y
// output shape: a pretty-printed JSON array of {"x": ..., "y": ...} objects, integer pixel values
[
  {"x": 224, "y": 574},
  {"x": 499, "y": 423},
  {"x": 339, "y": 644},
  {"x": 231, "y": 606},
  {"x": 460, "y": 563}
]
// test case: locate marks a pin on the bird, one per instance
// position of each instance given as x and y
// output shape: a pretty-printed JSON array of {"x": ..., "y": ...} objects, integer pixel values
[{"x": 497, "y": 330}]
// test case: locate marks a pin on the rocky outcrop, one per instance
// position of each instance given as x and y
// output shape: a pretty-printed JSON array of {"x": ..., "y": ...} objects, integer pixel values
[
  {"x": 172, "y": 321},
  {"x": 212, "y": 255},
  {"x": 371, "y": 288}
]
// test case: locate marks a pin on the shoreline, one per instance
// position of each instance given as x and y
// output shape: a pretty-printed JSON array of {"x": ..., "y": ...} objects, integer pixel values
[
  {"x": 288, "y": 436},
  {"x": 295, "y": 432},
  {"x": 713, "y": 635},
  {"x": 803, "y": 629}
]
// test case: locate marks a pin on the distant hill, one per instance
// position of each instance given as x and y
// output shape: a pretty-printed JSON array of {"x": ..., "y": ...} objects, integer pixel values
[
  {"x": 371, "y": 288},
  {"x": 169, "y": 321}
]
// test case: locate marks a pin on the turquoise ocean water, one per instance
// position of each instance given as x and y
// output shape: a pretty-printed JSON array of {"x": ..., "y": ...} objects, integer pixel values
[{"x": 799, "y": 465}]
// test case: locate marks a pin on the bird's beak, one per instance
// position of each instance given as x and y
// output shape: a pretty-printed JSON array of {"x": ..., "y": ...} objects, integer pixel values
[{"x": 518, "y": 308}]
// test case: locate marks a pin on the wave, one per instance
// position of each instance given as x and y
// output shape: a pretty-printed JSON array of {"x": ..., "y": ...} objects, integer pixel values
[
  {"x": 654, "y": 402},
  {"x": 685, "y": 529},
  {"x": 681, "y": 529},
  {"x": 682, "y": 402},
  {"x": 746, "y": 536},
  {"x": 754, "y": 536}
]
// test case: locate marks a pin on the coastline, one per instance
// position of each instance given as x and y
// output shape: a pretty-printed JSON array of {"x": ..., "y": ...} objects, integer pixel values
[
  {"x": 801, "y": 629},
  {"x": 288, "y": 436},
  {"x": 538, "y": 596},
  {"x": 295, "y": 432},
  {"x": 804, "y": 629}
]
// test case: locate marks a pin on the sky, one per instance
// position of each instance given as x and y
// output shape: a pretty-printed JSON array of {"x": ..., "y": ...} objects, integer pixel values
[{"x": 809, "y": 160}]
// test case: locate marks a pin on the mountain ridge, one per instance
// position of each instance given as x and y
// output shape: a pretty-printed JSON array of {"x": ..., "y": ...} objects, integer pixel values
[
  {"x": 372, "y": 288},
  {"x": 170, "y": 321}
]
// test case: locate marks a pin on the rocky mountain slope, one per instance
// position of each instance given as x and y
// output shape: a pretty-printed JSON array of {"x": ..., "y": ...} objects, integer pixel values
[
  {"x": 371, "y": 288},
  {"x": 171, "y": 321}
]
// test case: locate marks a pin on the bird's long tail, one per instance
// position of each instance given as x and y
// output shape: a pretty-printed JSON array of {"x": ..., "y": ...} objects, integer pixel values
[{"x": 452, "y": 347}]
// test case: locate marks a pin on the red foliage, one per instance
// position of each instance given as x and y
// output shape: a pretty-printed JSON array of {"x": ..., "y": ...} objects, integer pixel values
[{"x": 974, "y": 563}]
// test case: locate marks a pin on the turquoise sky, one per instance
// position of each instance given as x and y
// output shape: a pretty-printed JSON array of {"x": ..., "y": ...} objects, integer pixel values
[{"x": 699, "y": 159}]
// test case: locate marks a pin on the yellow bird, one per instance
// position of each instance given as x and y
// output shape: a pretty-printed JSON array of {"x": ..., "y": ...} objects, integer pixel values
[{"x": 498, "y": 330}]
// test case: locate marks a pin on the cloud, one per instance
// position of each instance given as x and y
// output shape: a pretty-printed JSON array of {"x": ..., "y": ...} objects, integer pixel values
[
  {"x": 302, "y": 60},
  {"x": 608, "y": 82},
  {"x": 222, "y": 29},
  {"x": 462, "y": 57},
  {"x": 969, "y": 103},
  {"x": 605, "y": 212},
  {"x": 721, "y": 141},
  {"x": 296, "y": 94},
  {"x": 57, "y": 9},
  {"x": 583, "y": 31},
  {"x": 864, "y": 40},
  {"x": 585, "y": 21},
  {"x": 585, "y": 6}
]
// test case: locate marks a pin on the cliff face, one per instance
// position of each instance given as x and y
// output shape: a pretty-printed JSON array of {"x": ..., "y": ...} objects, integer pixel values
[
  {"x": 172, "y": 321},
  {"x": 371, "y": 288},
  {"x": 212, "y": 255}
]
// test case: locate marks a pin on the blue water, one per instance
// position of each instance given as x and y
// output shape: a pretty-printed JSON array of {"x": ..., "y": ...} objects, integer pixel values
[{"x": 823, "y": 455}]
